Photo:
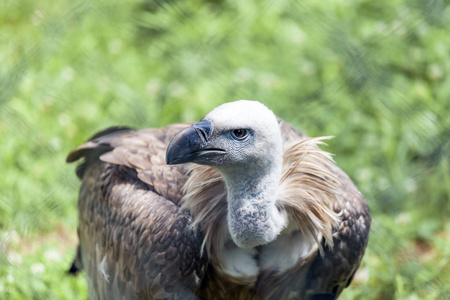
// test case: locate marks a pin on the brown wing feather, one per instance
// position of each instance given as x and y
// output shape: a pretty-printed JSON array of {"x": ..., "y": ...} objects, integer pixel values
[
  {"x": 330, "y": 273},
  {"x": 135, "y": 243}
]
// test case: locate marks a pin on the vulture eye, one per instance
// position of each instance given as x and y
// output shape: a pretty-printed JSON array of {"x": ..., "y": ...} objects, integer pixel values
[{"x": 239, "y": 134}]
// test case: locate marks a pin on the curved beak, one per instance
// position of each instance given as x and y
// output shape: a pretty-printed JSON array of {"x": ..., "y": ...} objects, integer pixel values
[{"x": 191, "y": 143}]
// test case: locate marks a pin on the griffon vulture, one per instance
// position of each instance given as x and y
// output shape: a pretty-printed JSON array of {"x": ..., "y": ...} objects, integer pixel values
[{"x": 237, "y": 206}]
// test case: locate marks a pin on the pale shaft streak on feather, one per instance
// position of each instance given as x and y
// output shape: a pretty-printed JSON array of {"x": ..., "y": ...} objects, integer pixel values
[{"x": 101, "y": 266}]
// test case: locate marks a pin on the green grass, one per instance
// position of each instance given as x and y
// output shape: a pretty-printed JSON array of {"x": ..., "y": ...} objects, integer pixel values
[{"x": 372, "y": 74}]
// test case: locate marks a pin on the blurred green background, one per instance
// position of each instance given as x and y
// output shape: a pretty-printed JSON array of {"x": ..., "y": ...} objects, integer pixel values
[{"x": 374, "y": 74}]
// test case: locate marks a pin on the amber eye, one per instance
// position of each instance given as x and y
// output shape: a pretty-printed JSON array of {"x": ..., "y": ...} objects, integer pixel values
[{"x": 239, "y": 134}]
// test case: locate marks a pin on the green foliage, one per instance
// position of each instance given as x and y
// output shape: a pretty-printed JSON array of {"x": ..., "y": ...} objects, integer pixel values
[{"x": 373, "y": 74}]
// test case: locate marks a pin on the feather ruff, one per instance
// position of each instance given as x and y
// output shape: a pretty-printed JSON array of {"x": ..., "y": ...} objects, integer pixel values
[{"x": 307, "y": 191}]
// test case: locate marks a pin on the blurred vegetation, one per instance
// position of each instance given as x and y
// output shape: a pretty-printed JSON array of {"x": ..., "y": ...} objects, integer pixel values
[{"x": 372, "y": 73}]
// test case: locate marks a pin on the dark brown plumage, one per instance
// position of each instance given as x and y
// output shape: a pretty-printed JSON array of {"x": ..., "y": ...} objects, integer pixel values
[{"x": 136, "y": 242}]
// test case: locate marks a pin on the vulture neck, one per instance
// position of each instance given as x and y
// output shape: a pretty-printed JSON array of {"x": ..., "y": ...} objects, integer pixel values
[{"x": 253, "y": 216}]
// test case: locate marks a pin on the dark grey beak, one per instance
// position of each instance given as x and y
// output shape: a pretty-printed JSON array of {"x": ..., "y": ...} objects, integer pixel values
[{"x": 190, "y": 143}]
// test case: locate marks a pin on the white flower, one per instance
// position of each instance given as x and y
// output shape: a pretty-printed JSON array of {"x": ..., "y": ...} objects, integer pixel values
[
  {"x": 52, "y": 255},
  {"x": 37, "y": 268},
  {"x": 67, "y": 73},
  {"x": 15, "y": 258},
  {"x": 10, "y": 278},
  {"x": 11, "y": 237}
]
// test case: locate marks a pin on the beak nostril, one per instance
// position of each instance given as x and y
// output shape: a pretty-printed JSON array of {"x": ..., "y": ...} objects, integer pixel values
[
  {"x": 202, "y": 134},
  {"x": 204, "y": 130}
]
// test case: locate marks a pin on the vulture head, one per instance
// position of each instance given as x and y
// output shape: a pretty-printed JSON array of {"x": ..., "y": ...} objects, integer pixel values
[{"x": 242, "y": 141}]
